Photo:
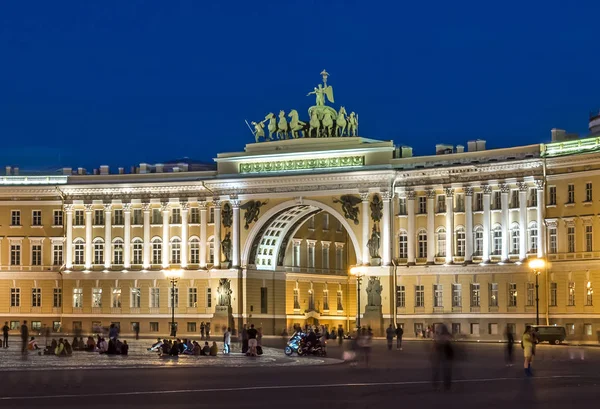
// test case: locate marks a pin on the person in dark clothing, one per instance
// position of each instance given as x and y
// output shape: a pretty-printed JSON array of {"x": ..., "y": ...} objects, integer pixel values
[
  {"x": 174, "y": 349},
  {"x": 399, "y": 333},
  {"x": 112, "y": 347},
  {"x": 207, "y": 329},
  {"x": 202, "y": 328},
  {"x": 205, "y": 349},
  {"x": 442, "y": 356},
  {"x": 5, "y": 330},
  {"x": 244, "y": 339},
  {"x": 136, "y": 329},
  {"x": 124, "y": 348},
  {"x": 340, "y": 334},
  {"x": 24, "y": 337},
  {"x": 181, "y": 346},
  {"x": 252, "y": 342},
  {"x": 510, "y": 341},
  {"x": 389, "y": 336}
]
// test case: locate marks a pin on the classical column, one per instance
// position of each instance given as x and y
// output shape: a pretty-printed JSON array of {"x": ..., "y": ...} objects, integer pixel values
[
  {"x": 89, "y": 246},
  {"x": 217, "y": 236},
  {"x": 127, "y": 235},
  {"x": 487, "y": 197},
  {"x": 147, "y": 245},
  {"x": 412, "y": 234},
  {"x": 541, "y": 242},
  {"x": 386, "y": 228},
  {"x": 366, "y": 257},
  {"x": 449, "y": 225},
  {"x": 235, "y": 257},
  {"x": 69, "y": 236},
  {"x": 430, "y": 226},
  {"x": 185, "y": 208},
  {"x": 468, "y": 224},
  {"x": 107, "y": 235},
  {"x": 164, "y": 207},
  {"x": 504, "y": 191},
  {"x": 203, "y": 243},
  {"x": 523, "y": 188}
]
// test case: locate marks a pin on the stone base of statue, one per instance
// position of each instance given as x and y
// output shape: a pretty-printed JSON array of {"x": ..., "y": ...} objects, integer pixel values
[
  {"x": 225, "y": 265},
  {"x": 222, "y": 318},
  {"x": 375, "y": 261},
  {"x": 373, "y": 318}
]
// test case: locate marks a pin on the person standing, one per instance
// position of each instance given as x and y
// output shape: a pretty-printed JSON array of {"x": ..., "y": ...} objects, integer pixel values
[
  {"x": 510, "y": 341},
  {"x": 207, "y": 329},
  {"x": 137, "y": 330},
  {"x": 252, "y": 342},
  {"x": 527, "y": 345},
  {"x": 340, "y": 334},
  {"x": 227, "y": 341},
  {"x": 442, "y": 356},
  {"x": 5, "y": 330},
  {"x": 244, "y": 339},
  {"x": 24, "y": 337},
  {"x": 389, "y": 336},
  {"x": 202, "y": 327},
  {"x": 399, "y": 334}
]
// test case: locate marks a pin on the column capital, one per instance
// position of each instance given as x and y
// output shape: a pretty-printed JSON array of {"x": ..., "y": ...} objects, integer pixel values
[
  {"x": 411, "y": 194},
  {"x": 468, "y": 190},
  {"x": 522, "y": 186},
  {"x": 68, "y": 207},
  {"x": 185, "y": 206},
  {"x": 126, "y": 207},
  {"x": 217, "y": 202},
  {"x": 449, "y": 192},
  {"x": 487, "y": 189},
  {"x": 539, "y": 184},
  {"x": 430, "y": 192},
  {"x": 202, "y": 204},
  {"x": 88, "y": 207},
  {"x": 146, "y": 206},
  {"x": 235, "y": 203},
  {"x": 504, "y": 188},
  {"x": 386, "y": 195},
  {"x": 164, "y": 206},
  {"x": 107, "y": 207},
  {"x": 364, "y": 196}
]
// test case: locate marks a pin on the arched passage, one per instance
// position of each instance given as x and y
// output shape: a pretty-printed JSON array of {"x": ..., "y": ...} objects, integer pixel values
[{"x": 271, "y": 232}]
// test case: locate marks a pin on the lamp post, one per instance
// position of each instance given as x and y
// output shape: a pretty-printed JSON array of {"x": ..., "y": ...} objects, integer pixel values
[
  {"x": 537, "y": 265},
  {"x": 357, "y": 271},
  {"x": 173, "y": 276}
]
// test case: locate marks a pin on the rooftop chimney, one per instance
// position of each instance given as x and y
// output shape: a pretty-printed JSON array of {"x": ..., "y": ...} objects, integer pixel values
[
  {"x": 67, "y": 171},
  {"x": 480, "y": 145},
  {"x": 121, "y": 171},
  {"x": 143, "y": 168},
  {"x": 460, "y": 148},
  {"x": 104, "y": 170},
  {"x": 175, "y": 168},
  {"x": 443, "y": 149},
  {"x": 16, "y": 171},
  {"x": 184, "y": 167},
  {"x": 476, "y": 145},
  {"x": 80, "y": 171},
  {"x": 96, "y": 172},
  {"x": 8, "y": 168},
  {"x": 159, "y": 167}
]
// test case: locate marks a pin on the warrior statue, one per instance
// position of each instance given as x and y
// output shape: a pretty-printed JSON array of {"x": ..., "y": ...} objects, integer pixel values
[
  {"x": 374, "y": 289},
  {"x": 320, "y": 92},
  {"x": 224, "y": 291},
  {"x": 349, "y": 206},
  {"x": 259, "y": 130},
  {"x": 226, "y": 247},
  {"x": 352, "y": 124},
  {"x": 374, "y": 242}
]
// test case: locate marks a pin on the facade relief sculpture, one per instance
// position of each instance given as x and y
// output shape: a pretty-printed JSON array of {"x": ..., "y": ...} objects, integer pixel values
[
  {"x": 349, "y": 206},
  {"x": 252, "y": 211}
]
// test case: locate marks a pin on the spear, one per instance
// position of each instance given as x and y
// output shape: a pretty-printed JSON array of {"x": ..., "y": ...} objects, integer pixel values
[{"x": 249, "y": 127}]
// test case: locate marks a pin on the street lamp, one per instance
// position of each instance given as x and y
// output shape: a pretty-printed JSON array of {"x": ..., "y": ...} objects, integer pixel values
[
  {"x": 173, "y": 276},
  {"x": 537, "y": 265},
  {"x": 358, "y": 272}
]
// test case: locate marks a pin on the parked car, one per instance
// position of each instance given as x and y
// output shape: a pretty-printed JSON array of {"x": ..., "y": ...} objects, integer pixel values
[{"x": 553, "y": 334}]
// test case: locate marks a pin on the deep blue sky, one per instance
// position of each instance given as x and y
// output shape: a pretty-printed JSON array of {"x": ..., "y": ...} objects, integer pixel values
[{"x": 85, "y": 83}]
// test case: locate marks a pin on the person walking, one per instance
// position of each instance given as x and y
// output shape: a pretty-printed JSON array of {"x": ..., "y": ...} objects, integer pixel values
[
  {"x": 510, "y": 341},
  {"x": 252, "y": 342},
  {"x": 137, "y": 330},
  {"x": 340, "y": 334},
  {"x": 244, "y": 336},
  {"x": 227, "y": 341},
  {"x": 5, "y": 330},
  {"x": 442, "y": 356},
  {"x": 399, "y": 334},
  {"x": 24, "y": 337},
  {"x": 202, "y": 327},
  {"x": 527, "y": 345},
  {"x": 389, "y": 336},
  {"x": 207, "y": 329}
]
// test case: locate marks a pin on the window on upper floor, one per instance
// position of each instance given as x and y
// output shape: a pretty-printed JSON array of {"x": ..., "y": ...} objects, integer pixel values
[
  {"x": 588, "y": 192},
  {"x": 156, "y": 216},
  {"x": 533, "y": 237},
  {"x": 78, "y": 251},
  {"x": 553, "y": 245},
  {"x": 533, "y": 197},
  {"x": 15, "y": 218},
  {"x": 156, "y": 251},
  {"x": 460, "y": 242},
  {"x": 36, "y": 254},
  {"x": 138, "y": 249},
  {"x": 325, "y": 222},
  {"x": 176, "y": 216},
  {"x": 36, "y": 218},
  {"x": 552, "y": 195},
  {"x": 211, "y": 215},
  {"x": 441, "y": 203},
  {"x": 460, "y": 202},
  {"x": 118, "y": 251},
  {"x": 402, "y": 206},
  {"x": 589, "y": 242},
  {"x": 194, "y": 215},
  {"x": 571, "y": 239},
  {"x": 571, "y": 193},
  {"x": 99, "y": 252},
  {"x": 422, "y": 204},
  {"x": 99, "y": 217},
  {"x": 514, "y": 199},
  {"x": 15, "y": 254},
  {"x": 58, "y": 218},
  {"x": 119, "y": 221},
  {"x": 497, "y": 200},
  {"x": 478, "y": 241},
  {"x": 403, "y": 245},
  {"x": 422, "y": 243},
  {"x": 57, "y": 254},
  {"x": 194, "y": 251},
  {"x": 441, "y": 242},
  {"x": 137, "y": 217},
  {"x": 78, "y": 218}
]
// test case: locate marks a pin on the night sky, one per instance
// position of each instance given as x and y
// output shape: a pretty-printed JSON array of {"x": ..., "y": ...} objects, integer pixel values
[{"x": 86, "y": 83}]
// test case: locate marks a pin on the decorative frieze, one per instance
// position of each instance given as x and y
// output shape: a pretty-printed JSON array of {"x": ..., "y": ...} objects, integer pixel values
[{"x": 302, "y": 164}]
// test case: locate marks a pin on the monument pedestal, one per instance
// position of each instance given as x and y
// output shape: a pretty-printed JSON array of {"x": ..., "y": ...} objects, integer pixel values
[
  {"x": 375, "y": 261},
  {"x": 222, "y": 318},
  {"x": 373, "y": 318}
]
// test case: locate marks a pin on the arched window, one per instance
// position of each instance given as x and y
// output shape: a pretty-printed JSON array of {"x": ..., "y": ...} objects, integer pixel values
[
  {"x": 422, "y": 240},
  {"x": 118, "y": 251},
  {"x": 533, "y": 237},
  {"x": 497, "y": 239},
  {"x": 403, "y": 244},
  {"x": 194, "y": 251},
  {"x": 175, "y": 251},
  {"x": 478, "y": 241},
  {"x": 138, "y": 251},
  {"x": 515, "y": 239},
  {"x": 156, "y": 251},
  {"x": 460, "y": 241},
  {"x": 79, "y": 250},
  {"x": 441, "y": 242},
  {"x": 98, "y": 251}
]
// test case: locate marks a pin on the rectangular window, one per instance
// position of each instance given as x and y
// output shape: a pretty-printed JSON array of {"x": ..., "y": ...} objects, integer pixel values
[
  {"x": 211, "y": 215},
  {"x": 15, "y": 218},
  {"x": 460, "y": 242},
  {"x": 176, "y": 216},
  {"x": 209, "y": 298},
  {"x": 99, "y": 217},
  {"x": 311, "y": 300},
  {"x": 475, "y": 295},
  {"x": 571, "y": 193},
  {"x": 15, "y": 325},
  {"x": 589, "y": 301},
  {"x": 419, "y": 296},
  {"x": 154, "y": 327},
  {"x": 55, "y": 326},
  {"x": 116, "y": 298},
  {"x": 57, "y": 298},
  {"x": 36, "y": 255},
  {"x": 530, "y": 294},
  {"x": 136, "y": 298},
  {"x": 474, "y": 329},
  {"x": 441, "y": 203},
  {"x": 339, "y": 258},
  {"x": 478, "y": 242},
  {"x": 514, "y": 199},
  {"x": 192, "y": 297},
  {"x": 571, "y": 239},
  {"x": 36, "y": 325},
  {"x": 79, "y": 220},
  {"x": 570, "y": 329},
  {"x": 533, "y": 197},
  {"x": 156, "y": 216},
  {"x": 339, "y": 226},
  {"x": 512, "y": 294},
  {"x": 138, "y": 248},
  {"x": 325, "y": 222},
  {"x": 99, "y": 253},
  {"x": 57, "y": 218},
  {"x": 296, "y": 255},
  {"x": 15, "y": 297},
  {"x": 173, "y": 297},
  {"x": 438, "y": 296},
  {"x": 311, "y": 223},
  {"x": 57, "y": 254},
  {"x": 493, "y": 329},
  {"x": 419, "y": 329},
  {"x": 402, "y": 206},
  {"x": 77, "y": 297},
  {"x": 493, "y": 287},
  {"x": 588, "y": 192},
  {"x": 479, "y": 201},
  {"x": 296, "y": 299},
  {"x": 340, "y": 305},
  {"x": 264, "y": 301},
  {"x": 325, "y": 300},
  {"x": 455, "y": 328},
  {"x": 36, "y": 218},
  {"x": 587, "y": 329},
  {"x": 137, "y": 217},
  {"x": 497, "y": 240},
  {"x": 553, "y": 293},
  {"x": 460, "y": 202},
  {"x": 589, "y": 243},
  {"x": 191, "y": 327},
  {"x": 422, "y": 209},
  {"x": 195, "y": 215},
  {"x": 553, "y": 240},
  {"x": 400, "y": 296},
  {"x": 15, "y": 254},
  {"x": 497, "y": 200},
  {"x": 403, "y": 245},
  {"x": 156, "y": 252},
  {"x": 96, "y": 297},
  {"x": 325, "y": 257},
  {"x": 194, "y": 252},
  {"x": 311, "y": 255},
  {"x": 456, "y": 295},
  {"x": 119, "y": 220},
  {"x": 36, "y": 297},
  {"x": 154, "y": 297},
  {"x": 422, "y": 239}
]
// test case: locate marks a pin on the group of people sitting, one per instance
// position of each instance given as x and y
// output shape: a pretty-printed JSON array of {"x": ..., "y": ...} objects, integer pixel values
[
  {"x": 114, "y": 346},
  {"x": 177, "y": 347},
  {"x": 62, "y": 347}
]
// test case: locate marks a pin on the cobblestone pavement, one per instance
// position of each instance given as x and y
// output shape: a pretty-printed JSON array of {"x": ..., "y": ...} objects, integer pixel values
[{"x": 139, "y": 357}]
